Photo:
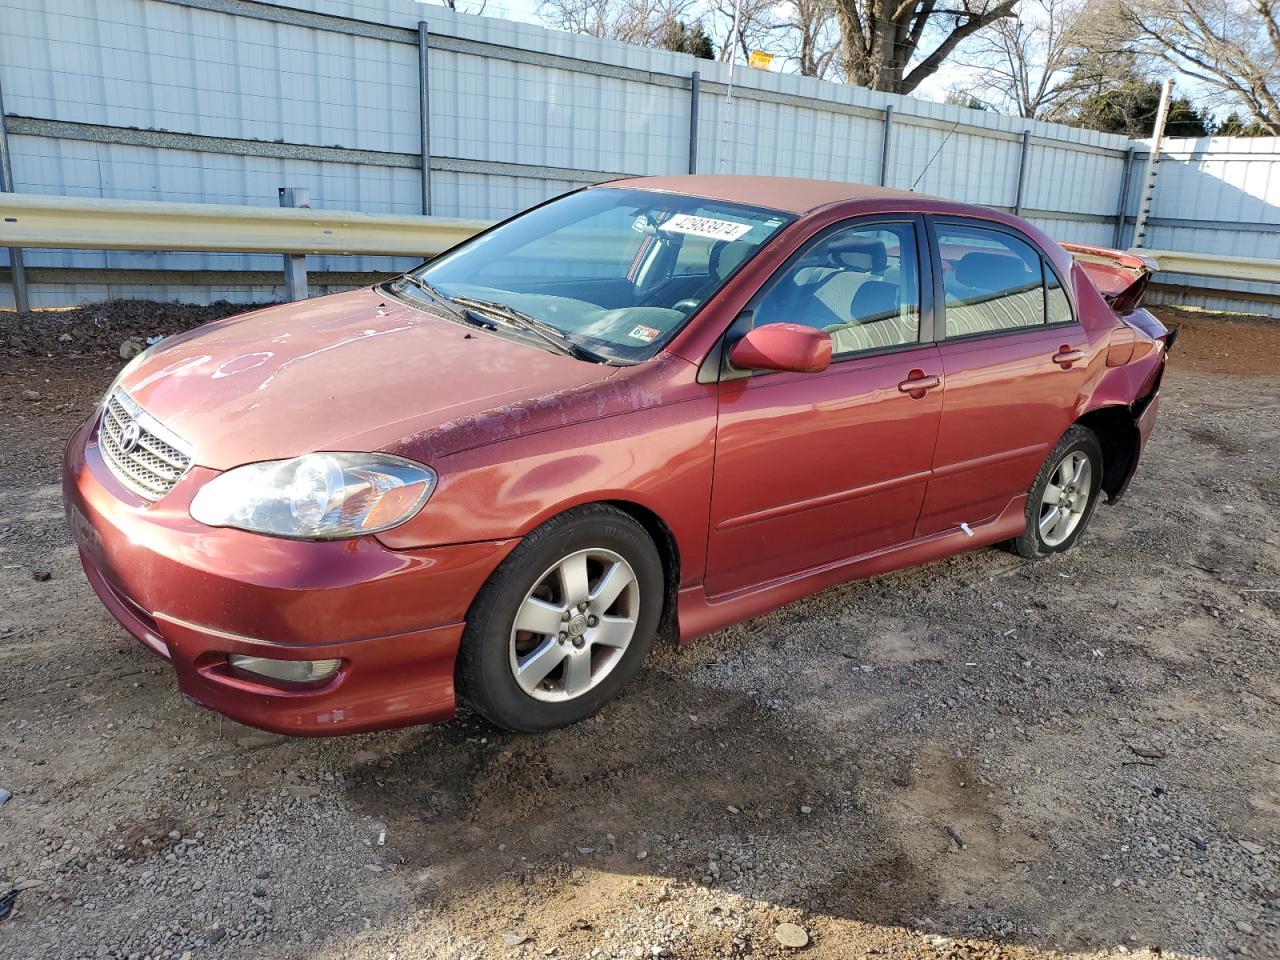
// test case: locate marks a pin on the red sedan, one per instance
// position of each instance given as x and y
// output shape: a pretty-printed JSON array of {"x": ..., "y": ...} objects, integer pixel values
[{"x": 657, "y": 406}]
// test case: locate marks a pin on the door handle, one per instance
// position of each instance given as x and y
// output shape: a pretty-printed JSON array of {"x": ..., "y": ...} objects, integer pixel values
[
  {"x": 918, "y": 383},
  {"x": 1065, "y": 356}
]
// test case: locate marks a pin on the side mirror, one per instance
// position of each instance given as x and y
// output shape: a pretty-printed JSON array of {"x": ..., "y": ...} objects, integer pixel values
[{"x": 783, "y": 346}]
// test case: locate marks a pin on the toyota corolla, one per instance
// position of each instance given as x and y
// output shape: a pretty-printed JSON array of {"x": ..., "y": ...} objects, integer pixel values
[{"x": 649, "y": 408}]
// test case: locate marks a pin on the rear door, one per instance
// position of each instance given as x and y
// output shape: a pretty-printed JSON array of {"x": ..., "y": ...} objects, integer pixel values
[
  {"x": 814, "y": 468},
  {"x": 1014, "y": 360}
]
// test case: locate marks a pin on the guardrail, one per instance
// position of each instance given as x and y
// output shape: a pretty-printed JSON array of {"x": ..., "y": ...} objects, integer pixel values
[
  {"x": 1207, "y": 265},
  {"x": 88, "y": 223},
  {"x": 31, "y": 220}
]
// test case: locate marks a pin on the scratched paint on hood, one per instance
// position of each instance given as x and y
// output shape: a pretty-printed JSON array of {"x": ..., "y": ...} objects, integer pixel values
[{"x": 354, "y": 371}]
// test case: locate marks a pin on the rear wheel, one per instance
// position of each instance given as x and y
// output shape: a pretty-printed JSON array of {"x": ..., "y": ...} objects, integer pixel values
[
  {"x": 1063, "y": 495},
  {"x": 564, "y": 622}
]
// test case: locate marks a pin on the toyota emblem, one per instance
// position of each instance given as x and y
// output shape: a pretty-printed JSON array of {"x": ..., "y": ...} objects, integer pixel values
[{"x": 130, "y": 437}]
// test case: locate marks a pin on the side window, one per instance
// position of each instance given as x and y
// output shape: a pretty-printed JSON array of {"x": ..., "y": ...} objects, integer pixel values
[
  {"x": 860, "y": 284},
  {"x": 1057, "y": 308},
  {"x": 993, "y": 281}
]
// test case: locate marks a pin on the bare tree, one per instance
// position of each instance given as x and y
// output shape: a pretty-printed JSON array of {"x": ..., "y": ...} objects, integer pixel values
[
  {"x": 643, "y": 22},
  {"x": 595, "y": 18},
  {"x": 1232, "y": 46},
  {"x": 1040, "y": 63},
  {"x": 883, "y": 39},
  {"x": 757, "y": 27},
  {"x": 874, "y": 43},
  {"x": 809, "y": 35},
  {"x": 801, "y": 31}
]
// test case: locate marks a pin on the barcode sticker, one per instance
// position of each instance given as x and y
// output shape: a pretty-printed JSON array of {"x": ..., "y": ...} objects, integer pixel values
[{"x": 708, "y": 227}]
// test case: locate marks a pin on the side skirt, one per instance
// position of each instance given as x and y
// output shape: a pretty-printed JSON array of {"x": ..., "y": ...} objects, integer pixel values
[{"x": 700, "y": 614}]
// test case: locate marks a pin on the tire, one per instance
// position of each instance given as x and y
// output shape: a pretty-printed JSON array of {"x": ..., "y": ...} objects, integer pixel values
[
  {"x": 580, "y": 666},
  {"x": 1047, "y": 531}
]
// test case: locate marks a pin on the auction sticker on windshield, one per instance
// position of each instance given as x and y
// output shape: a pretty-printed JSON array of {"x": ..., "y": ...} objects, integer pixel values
[{"x": 708, "y": 227}]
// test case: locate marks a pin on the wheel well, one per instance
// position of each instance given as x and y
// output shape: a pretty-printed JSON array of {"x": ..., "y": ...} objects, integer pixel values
[
  {"x": 1117, "y": 433},
  {"x": 668, "y": 550}
]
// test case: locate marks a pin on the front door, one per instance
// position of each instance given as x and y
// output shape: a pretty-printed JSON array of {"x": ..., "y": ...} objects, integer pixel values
[{"x": 812, "y": 469}]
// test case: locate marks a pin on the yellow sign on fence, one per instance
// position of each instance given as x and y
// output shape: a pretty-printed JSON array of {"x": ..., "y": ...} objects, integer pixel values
[{"x": 760, "y": 60}]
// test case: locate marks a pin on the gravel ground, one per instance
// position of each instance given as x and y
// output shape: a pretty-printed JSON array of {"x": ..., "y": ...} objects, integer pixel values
[{"x": 978, "y": 758}]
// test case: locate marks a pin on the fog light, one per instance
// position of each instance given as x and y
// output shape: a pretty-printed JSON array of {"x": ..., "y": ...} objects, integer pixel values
[{"x": 288, "y": 671}]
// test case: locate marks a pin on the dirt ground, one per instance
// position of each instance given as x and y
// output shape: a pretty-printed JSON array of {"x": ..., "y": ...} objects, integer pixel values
[{"x": 979, "y": 758}]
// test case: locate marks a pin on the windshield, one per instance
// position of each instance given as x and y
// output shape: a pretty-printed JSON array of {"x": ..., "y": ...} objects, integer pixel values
[{"x": 617, "y": 272}]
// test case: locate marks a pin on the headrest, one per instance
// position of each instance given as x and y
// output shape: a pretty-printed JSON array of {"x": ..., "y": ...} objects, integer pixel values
[
  {"x": 993, "y": 271},
  {"x": 858, "y": 253},
  {"x": 875, "y": 300},
  {"x": 725, "y": 257}
]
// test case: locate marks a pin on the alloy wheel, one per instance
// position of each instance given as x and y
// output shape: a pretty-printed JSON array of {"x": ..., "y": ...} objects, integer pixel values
[
  {"x": 574, "y": 625},
  {"x": 1066, "y": 498}
]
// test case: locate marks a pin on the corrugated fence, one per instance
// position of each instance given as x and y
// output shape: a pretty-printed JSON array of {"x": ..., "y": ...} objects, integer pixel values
[
  {"x": 225, "y": 101},
  {"x": 1218, "y": 195}
]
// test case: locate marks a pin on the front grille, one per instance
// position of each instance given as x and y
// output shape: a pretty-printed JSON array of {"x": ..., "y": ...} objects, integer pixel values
[{"x": 148, "y": 463}]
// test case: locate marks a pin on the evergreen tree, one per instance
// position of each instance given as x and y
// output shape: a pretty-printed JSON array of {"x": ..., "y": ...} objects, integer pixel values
[
  {"x": 682, "y": 38},
  {"x": 1236, "y": 126},
  {"x": 1130, "y": 107}
]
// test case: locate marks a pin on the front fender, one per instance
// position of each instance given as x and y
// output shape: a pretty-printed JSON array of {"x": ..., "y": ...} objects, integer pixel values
[{"x": 660, "y": 458}]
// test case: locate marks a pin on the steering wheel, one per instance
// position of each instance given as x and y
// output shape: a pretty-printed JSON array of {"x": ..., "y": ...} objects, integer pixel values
[{"x": 687, "y": 305}]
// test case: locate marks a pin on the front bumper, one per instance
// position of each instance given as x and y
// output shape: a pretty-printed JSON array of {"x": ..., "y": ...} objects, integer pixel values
[{"x": 195, "y": 594}]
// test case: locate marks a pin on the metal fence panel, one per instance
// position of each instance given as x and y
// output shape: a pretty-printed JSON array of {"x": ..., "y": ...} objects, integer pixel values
[
  {"x": 227, "y": 100},
  {"x": 1216, "y": 195}
]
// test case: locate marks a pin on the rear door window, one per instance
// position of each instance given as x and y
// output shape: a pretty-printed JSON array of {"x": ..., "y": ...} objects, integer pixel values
[
  {"x": 992, "y": 281},
  {"x": 1057, "y": 306}
]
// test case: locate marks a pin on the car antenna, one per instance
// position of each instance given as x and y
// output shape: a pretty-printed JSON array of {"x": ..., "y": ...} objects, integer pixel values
[{"x": 935, "y": 156}]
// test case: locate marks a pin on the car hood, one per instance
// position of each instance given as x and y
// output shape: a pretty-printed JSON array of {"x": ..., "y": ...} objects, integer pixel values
[{"x": 354, "y": 371}]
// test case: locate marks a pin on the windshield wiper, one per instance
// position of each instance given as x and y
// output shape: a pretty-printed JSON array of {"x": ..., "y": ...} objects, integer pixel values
[
  {"x": 546, "y": 332},
  {"x": 438, "y": 296}
]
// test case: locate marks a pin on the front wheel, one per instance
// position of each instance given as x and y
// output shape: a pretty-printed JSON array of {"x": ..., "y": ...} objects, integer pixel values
[
  {"x": 564, "y": 622},
  {"x": 1063, "y": 495}
]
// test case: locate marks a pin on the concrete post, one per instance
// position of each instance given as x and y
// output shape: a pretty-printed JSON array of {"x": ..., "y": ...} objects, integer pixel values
[{"x": 1147, "y": 196}]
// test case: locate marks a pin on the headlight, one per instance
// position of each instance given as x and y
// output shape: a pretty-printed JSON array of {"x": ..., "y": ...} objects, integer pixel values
[{"x": 320, "y": 496}]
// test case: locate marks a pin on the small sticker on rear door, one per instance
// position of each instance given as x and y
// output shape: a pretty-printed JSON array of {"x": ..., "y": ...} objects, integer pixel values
[
  {"x": 644, "y": 334},
  {"x": 708, "y": 227}
]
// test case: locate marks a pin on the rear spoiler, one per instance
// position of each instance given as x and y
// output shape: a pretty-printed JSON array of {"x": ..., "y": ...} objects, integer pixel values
[{"x": 1120, "y": 277}]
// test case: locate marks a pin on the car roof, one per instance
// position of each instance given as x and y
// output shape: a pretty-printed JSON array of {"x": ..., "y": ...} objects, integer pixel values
[{"x": 789, "y": 194}]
